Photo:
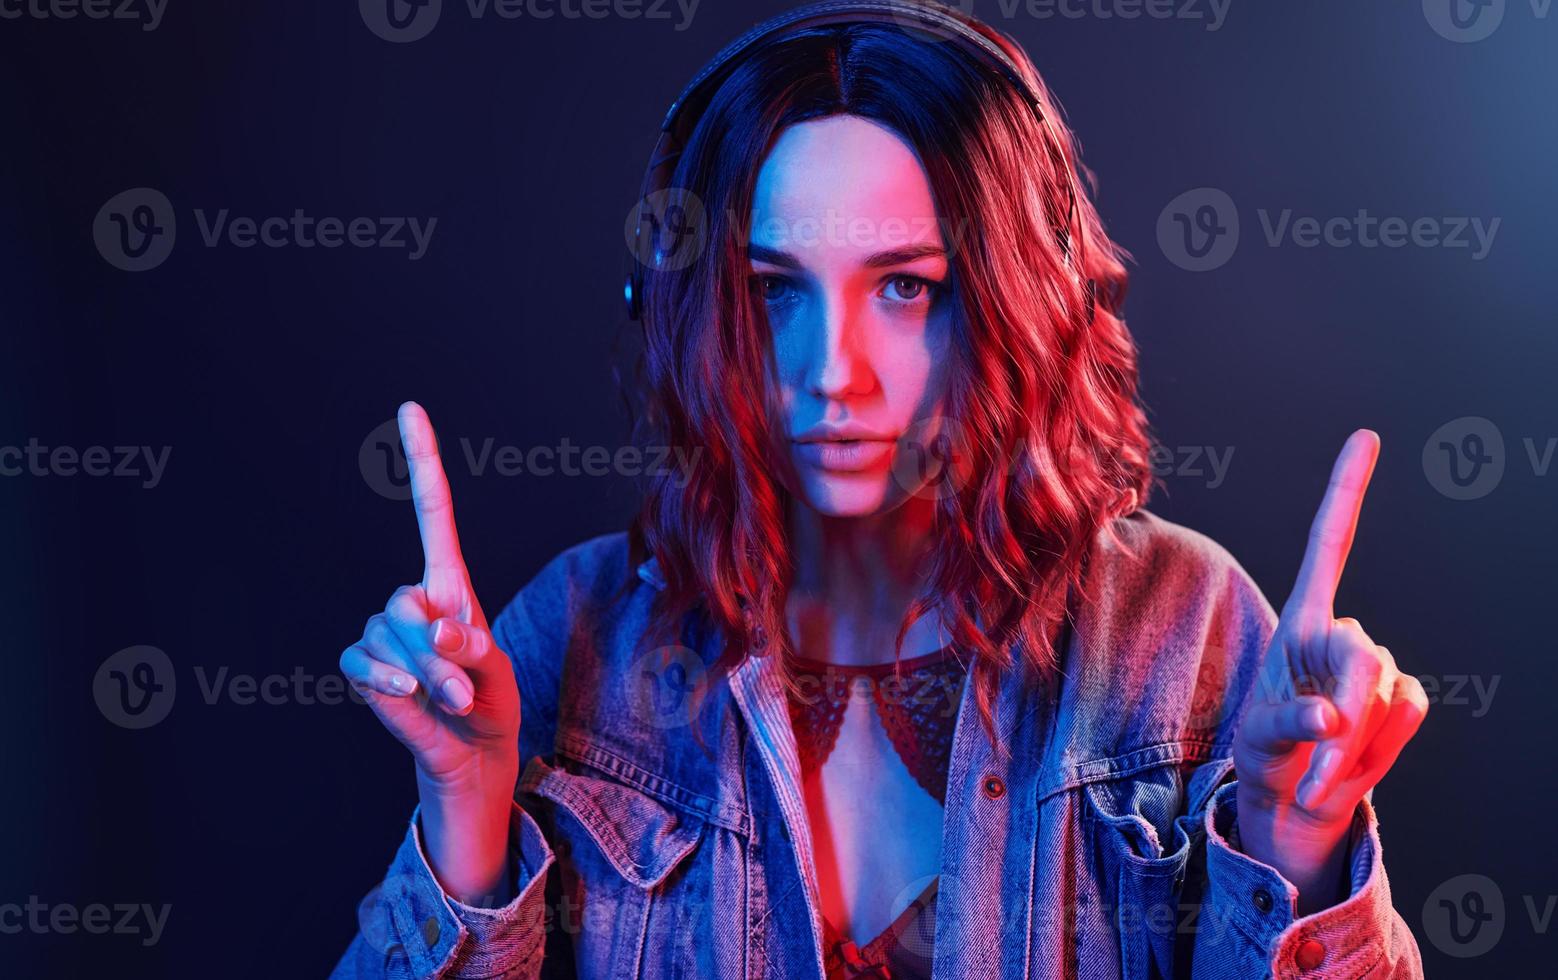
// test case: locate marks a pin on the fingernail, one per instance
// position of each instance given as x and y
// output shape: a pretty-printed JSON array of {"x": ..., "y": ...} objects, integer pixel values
[
  {"x": 1306, "y": 793},
  {"x": 1319, "y": 718},
  {"x": 403, "y": 684},
  {"x": 1309, "y": 789},
  {"x": 456, "y": 694},
  {"x": 446, "y": 637},
  {"x": 1330, "y": 756}
]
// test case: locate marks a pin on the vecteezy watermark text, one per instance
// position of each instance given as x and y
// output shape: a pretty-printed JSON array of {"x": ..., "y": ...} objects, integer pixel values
[
  {"x": 135, "y": 230},
  {"x": 306, "y": 231},
  {"x": 64, "y": 918},
  {"x": 382, "y": 460},
  {"x": 403, "y": 21},
  {"x": 1199, "y": 230},
  {"x": 1214, "y": 13},
  {"x": 147, "y": 12},
  {"x": 135, "y": 687},
  {"x": 35, "y": 459}
]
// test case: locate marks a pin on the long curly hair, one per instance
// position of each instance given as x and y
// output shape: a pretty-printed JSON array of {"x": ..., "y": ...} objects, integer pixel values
[{"x": 1050, "y": 433}]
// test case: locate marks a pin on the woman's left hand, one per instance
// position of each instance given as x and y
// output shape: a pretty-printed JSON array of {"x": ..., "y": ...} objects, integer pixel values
[{"x": 1330, "y": 712}]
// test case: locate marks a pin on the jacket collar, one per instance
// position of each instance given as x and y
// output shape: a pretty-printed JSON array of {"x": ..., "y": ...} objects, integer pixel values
[{"x": 649, "y": 571}]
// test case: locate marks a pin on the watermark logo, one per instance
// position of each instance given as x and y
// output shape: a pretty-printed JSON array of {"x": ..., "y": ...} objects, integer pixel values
[
  {"x": 1464, "y": 917},
  {"x": 401, "y": 21},
  {"x": 933, "y": 459},
  {"x": 382, "y": 461},
  {"x": 1211, "y": 706},
  {"x": 375, "y": 915},
  {"x": 1464, "y": 21},
  {"x": 135, "y": 229},
  {"x": 918, "y": 940},
  {"x": 1199, "y": 230},
  {"x": 667, "y": 230},
  {"x": 1464, "y": 458},
  {"x": 666, "y": 687},
  {"x": 927, "y": 31},
  {"x": 135, "y": 687}
]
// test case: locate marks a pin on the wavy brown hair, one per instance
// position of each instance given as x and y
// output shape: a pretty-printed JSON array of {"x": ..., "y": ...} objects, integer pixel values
[{"x": 1052, "y": 436}]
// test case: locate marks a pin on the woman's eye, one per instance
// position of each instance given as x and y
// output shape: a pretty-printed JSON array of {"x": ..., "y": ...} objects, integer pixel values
[
  {"x": 907, "y": 289},
  {"x": 772, "y": 289}
]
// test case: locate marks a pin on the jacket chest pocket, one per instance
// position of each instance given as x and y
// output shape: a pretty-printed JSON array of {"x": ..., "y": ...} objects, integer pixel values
[
  {"x": 1145, "y": 832},
  {"x": 630, "y": 874}
]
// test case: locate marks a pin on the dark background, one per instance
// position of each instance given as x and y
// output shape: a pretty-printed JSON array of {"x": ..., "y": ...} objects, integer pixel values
[{"x": 265, "y": 544}]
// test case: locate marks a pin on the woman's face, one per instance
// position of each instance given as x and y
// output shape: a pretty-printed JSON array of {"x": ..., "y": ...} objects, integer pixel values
[{"x": 847, "y": 258}]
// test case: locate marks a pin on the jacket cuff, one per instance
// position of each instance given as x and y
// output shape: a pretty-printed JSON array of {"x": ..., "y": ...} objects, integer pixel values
[
  {"x": 1349, "y": 939},
  {"x": 443, "y": 937}
]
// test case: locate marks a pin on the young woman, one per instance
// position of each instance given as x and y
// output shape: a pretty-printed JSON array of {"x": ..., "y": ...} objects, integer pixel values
[{"x": 899, "y": 679}]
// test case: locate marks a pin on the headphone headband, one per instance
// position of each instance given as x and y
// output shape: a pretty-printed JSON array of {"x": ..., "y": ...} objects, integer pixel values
[
  {"x": 902, "y": 13},
  {"x": 828, "y": 12}
]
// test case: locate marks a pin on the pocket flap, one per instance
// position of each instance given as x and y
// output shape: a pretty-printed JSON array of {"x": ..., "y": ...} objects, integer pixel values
[{"x": 641, "y": 837}]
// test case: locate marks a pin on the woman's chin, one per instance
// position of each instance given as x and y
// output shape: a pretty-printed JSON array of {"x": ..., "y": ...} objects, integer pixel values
[{"x": 835, "y": 493}]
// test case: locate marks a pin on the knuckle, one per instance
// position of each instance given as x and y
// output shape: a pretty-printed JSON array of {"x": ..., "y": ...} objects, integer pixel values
[
  {"x": 1386, "y": 658},
  {"x": 1370, "y": 673},
  {"x": 1352, "y": 631},
  {"x": 437, "y": 670},
  {"x": 378, "y": 632},
  {"x": 399, "y": 596},
  {"x": 433, "y": 499},
  {"x": 1324, "y": 537},
  {"x": 404, "y": 606},
  {"x": 479, "y": 642},
  {"x": 1379, "y": 662}
]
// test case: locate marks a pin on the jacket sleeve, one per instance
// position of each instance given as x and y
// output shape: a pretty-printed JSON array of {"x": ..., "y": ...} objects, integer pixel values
[
  {"x": 408, "y": 926},
  {"x": 1248, "y": 920}
]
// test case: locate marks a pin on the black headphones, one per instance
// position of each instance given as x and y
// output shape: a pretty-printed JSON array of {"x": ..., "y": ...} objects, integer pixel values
[{"x": 941, "y": 21}]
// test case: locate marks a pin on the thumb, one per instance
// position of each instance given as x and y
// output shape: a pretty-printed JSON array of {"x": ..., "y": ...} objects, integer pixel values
[{"x": 1272, "y": 729}]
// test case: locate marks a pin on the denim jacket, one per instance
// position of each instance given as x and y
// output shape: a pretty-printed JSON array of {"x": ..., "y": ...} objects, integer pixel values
[{"x": 658, "y": 829}]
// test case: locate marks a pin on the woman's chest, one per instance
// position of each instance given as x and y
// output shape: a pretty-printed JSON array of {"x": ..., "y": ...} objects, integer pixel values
[{"x": 876, "y": 831}]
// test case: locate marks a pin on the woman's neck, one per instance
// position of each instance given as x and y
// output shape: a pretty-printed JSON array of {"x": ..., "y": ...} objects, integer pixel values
[{"x": 854, "y": 581}]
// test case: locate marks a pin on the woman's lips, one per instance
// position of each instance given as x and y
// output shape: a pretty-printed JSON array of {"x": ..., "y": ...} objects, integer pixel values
[{"x": 846, "y": 456}]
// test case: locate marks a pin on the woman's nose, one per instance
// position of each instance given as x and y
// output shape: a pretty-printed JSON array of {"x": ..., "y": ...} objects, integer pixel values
[{"x": 840, "y": 366}]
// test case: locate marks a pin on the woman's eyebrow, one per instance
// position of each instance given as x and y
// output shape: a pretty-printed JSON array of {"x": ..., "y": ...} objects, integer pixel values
[
  {"x": 877, "y": 260},
  {"x": 762, "y": 253},
  {"x": 908, "y": 253}
]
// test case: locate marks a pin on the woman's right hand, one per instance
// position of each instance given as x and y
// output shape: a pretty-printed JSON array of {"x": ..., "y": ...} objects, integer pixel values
[{"x": 429, "y": 668}]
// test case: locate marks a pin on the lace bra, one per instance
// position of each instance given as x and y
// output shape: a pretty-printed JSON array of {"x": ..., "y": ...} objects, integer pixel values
[{"x": 917, "y": 704}]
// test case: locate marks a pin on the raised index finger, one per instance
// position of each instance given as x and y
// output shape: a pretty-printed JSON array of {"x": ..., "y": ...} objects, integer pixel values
[
  {"x": 429, "y": 491},
  {"x": 1330, "y": 536}
]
